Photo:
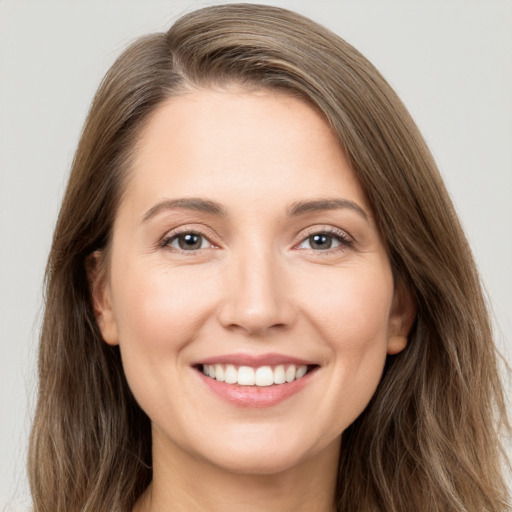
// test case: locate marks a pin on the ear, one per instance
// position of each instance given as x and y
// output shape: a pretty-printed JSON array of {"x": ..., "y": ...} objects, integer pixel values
[
  {"x": 99, "y": 288},
  {"x": 401, "y": 319}
]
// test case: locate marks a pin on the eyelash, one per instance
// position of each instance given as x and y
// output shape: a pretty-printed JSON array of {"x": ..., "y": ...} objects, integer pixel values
[
  {"x": 171, "y": 237},
  {"x": 345, "y": 241}
]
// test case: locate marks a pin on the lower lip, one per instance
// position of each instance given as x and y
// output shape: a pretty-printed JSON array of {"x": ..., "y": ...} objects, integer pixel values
[{"x": 256, "y": 396}]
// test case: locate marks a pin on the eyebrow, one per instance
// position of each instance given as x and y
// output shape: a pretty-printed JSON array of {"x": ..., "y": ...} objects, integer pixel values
[
  {"x": 316, "y": 205},
  {"x": 189, "y": 203},
  {"x": 214, "y": 208}
]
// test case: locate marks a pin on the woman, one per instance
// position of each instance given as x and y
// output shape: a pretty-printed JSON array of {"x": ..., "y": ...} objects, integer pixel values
[{"x": 259, "y": 296}]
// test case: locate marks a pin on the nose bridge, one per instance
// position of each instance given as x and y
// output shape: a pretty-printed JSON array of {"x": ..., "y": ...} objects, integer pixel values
[{"x": 256, "y": 296}]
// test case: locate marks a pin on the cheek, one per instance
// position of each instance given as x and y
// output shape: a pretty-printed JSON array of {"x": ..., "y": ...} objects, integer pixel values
[
  {"x": 352, "y": 309},
  {"x": 159, "y": 309},
  {"x": 351, "y": 314},
  {"x": 158, "y": 312}
]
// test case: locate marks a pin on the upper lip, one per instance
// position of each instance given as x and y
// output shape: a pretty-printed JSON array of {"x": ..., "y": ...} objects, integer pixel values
[{"x": 254, "y": 360}]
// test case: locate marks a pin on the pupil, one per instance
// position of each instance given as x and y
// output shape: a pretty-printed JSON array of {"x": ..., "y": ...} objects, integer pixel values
[
  {"x": 320, "y": 241},
  {"x": 190, "y": 241}
]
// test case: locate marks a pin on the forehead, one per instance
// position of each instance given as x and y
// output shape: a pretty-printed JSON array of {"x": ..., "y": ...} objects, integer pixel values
[{"x": 237, "y": 143}]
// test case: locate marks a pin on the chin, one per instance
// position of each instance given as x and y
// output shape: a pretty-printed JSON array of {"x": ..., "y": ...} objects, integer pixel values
[
  {"x": 257, "y": 463},
  {"x": 265, "y": 454}
]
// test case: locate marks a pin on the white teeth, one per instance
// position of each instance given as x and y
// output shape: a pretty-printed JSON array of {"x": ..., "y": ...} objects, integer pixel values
[
  {"x": 290, "y": 373},
  {"x": 261, "y": 376},
  {"x": 301, "y": 371},
  {"x": 245, "y": 376},
  {"x": 231, "y": 374},
  {"x": 219, "y": 372},
  {"x": 264, "y": 376},
  {"x": 279, "y": 375}
]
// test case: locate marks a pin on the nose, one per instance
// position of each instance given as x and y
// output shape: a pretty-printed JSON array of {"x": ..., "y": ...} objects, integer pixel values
[{"x": 258, "y": 296}]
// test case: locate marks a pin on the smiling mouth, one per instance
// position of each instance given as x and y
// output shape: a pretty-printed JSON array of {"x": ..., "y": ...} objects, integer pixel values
[{"x": 261, "y": 376}]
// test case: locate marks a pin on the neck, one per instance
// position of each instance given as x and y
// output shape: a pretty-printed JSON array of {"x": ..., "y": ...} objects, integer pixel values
[{"x": 182, "y": 483}]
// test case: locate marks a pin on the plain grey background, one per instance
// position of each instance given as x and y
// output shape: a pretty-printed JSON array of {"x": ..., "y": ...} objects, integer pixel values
[{"x": 450, "y": 61}]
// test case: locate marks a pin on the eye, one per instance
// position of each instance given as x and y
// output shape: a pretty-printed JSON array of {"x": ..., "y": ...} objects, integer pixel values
[
  {"x": 188, "y": 241},
  {"x": 323, "y": 241}
]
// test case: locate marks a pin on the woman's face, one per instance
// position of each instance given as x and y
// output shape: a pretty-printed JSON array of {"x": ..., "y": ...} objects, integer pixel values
[{"x": 245, "y": 248}]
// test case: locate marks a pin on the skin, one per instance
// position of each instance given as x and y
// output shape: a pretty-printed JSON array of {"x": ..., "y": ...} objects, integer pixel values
[{"x": 256, "y": 286}]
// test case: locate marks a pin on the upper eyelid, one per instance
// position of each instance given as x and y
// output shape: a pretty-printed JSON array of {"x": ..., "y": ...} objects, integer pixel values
[
  {"x": 176, "y": 232},
  {"x": 331, "y": 230},
  {"x": 346, "y": 240},
  {"x": 211, "y": 236},
  {"x": 203, "y": 230}
]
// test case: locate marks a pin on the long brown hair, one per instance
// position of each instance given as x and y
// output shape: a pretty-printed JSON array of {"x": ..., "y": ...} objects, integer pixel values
[{"x": 430, "y": 438}]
